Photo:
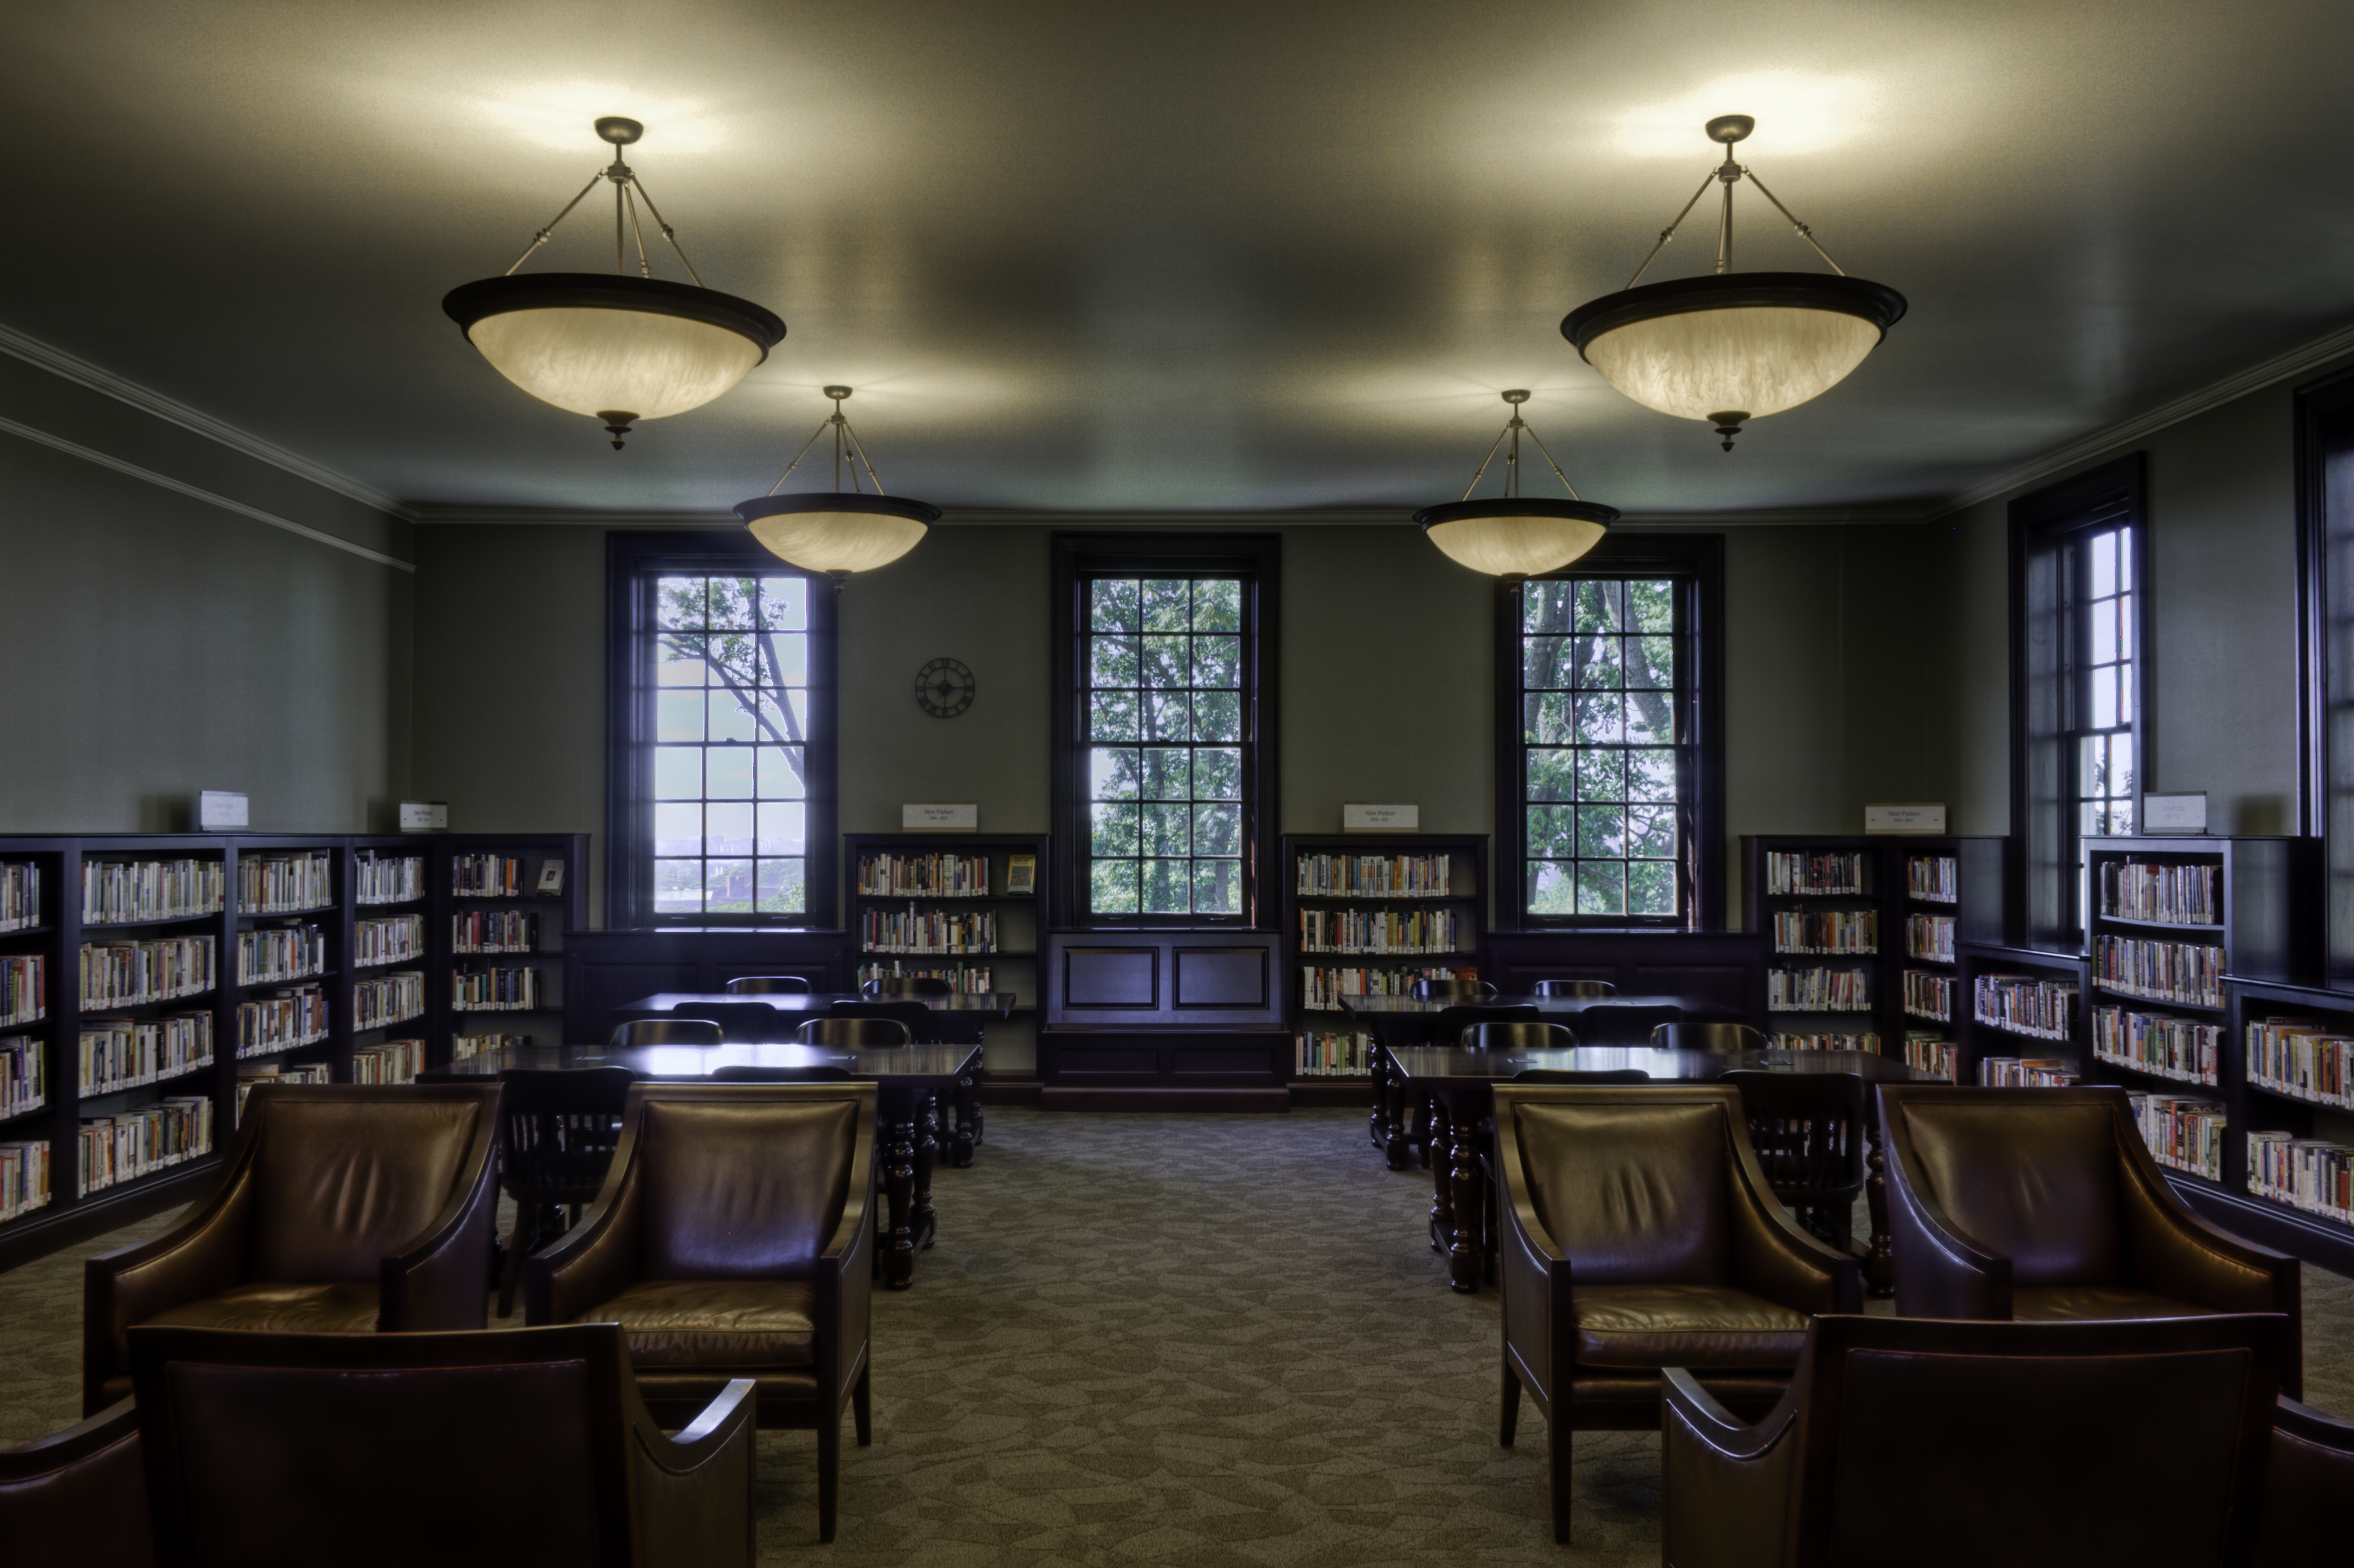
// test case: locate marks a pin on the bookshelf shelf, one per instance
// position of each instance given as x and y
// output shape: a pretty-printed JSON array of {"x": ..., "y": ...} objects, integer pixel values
[{"x": 896, "y": 882}]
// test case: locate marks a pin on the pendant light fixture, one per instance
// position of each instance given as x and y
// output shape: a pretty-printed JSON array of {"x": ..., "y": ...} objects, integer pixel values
[
  {"x": 837, "y": 530},
  {"x": 620, "y": 348},
  {"x": 1734, "y": 347},
  {"x": 1513, "y": 535}
]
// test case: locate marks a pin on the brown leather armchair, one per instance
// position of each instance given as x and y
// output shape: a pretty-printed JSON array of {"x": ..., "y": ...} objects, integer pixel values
[
  {"x": 1941, "y": 1444},
  {"x": 2308, "y": 1490},
  {"x": 479, "y": 1451},
  {"x": 344, "y": 1209},
  {"x": 735, "y": 1238},
  {"x": 1638, "y": 1233},
  {"x": 76, "y": 1498},
  {"x": 2044, "y": 1206}
]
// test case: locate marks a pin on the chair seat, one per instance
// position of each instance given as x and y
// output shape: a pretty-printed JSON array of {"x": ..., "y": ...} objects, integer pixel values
[
  {"x": 707, "y": 1323},
  {"x": 351, "y": 1307},
  {"x": 2089, "y": 1303},
  {"x": 1698, "y": 1326}
]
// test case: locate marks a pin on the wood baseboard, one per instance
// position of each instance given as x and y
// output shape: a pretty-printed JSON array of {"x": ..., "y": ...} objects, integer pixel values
[{"x": 1058, "y": 1096}]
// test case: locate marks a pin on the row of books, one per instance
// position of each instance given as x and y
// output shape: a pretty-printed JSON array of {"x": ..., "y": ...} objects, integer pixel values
[
  {"x": 128, "y": 1052},
  {"x": 1818, "y": 872},
  {"x": 287, "y": 883},
  {"x": 23, "y": 989},
  {"x": 24, "y": 1076},
  {"x": 2026, "y": 1073},
  {"x": 1929, "y": 995},
  {"x": 2184, "y": 1134},
  {"x": 117, "y": 891},
  {"x": 1332, "y": 1054},
  {"x": 280, "y": 953},
  {"x": 966, "y": 979},
  {"x": 466, "y": 1045},
  {"x": 941, "y": 876},
  {"x": 2301, "y": 1059},
  {"x": 2188, "y": 972},
  {"x": 1931, "y": 1053},
  {"x": 1376, "y": 875},
  {"x": 2169, "y": 1047},
  {"x": 493, "y": 931},
  {"x": 486, "y": 877},
  {"x": 1930, "y": 937},
  {"x": 390, "y": 939},
  {"x": 130, "y": 974},
  {"x": 1323, "y": 986},
  {"x": 1933, "y": 879},
  {"x": 926, "y": 931},
  {"x": 2176, "y": 894},
  {"x": 2309, "y": 1173},
  {"x": 496, "y": 990},
  {"x": 142, "y": 1142},
  {"x": 1866, "y": 1041},
  {"x": 1818, "y": 990},
  {"x": 387, "y": 878},
  {"x": 394, "y": 1062},
  {"x": 269, "y": 1024},
  {"x": 1380, "y": 930},
  {"x": 388, "y": 999},
  {"x": 250, "y": 1078},
  {"x": 2026, "y": 1004},
  {"x": 24, "y": 1179},
  {"x": 20, "y": 894},
  {"x": 1827, "y": 931}
]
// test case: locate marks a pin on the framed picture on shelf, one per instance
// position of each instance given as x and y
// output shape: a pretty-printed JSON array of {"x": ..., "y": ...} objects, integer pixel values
[
  {"x": 1021, "y": 876},
  {"x": 551, "y": 877}
]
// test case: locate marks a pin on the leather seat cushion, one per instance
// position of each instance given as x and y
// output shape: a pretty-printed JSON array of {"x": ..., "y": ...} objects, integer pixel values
[
  {"x": 1710, "y": 1325},
  {"x": 747, "y": 1323},
  {"x": 344, "y": 1308},
  {"x": 2081, "y": 1303}
]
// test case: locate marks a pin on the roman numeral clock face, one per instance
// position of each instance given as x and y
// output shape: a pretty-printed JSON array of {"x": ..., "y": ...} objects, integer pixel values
[{"x": 944, "y": 688}]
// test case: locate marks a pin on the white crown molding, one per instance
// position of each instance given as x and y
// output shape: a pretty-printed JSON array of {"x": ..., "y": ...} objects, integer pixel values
[
  {"x": 82, "y": 373},
  {"x": 429, "y": 515},
  {"x": 92, "y": 455}
]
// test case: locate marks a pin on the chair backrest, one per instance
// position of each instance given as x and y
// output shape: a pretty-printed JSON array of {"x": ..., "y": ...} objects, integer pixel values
[
  {"x": 780, "y": 1074},
  {"x": 1563, "y": 1076},
  {"x": 265, "y": 1449},
  {"x": 907, "y": 985},
  {"x": 1717, "y": 1039},
  {"x": 346, "y": 1175},
  {"x": 742, "y": 1180},
  {"x": 561, "y": 1126},
  {"x": 2306, "y": 1488},
  {"x": 922, "y": 1023},
  {"x": 78, "y": 1495},
  {"x": 1448, "y": 1025},
  {"x": 666, "y": 1031},
  {"x": 853, "y": 1033},
  {"x": 1574, "y": 987},
  {"x": 1522, "y": 1036},
  {"x": 2157, "y": 1426},
  {"x": 1615, "y": 1024},
  {"x": 768, "y": 985},
  {"x": 1634, "y": 1184},
  {"x": 1454, "y": 986},
  {"x": 1808, "y": 1130},
  {"x": 2034, "y": 1175}
]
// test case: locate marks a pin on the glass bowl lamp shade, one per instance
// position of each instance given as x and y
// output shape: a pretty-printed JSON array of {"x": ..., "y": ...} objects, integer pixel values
[
  {"x": 1515, "y": 536},
  {"x": 838, "y": 532}
]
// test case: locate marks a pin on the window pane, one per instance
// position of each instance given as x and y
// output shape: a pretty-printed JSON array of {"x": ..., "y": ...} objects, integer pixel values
[
  {"x": 2103, "y": 616},
  {"x": 678, "y": 716},
  {"x": 783, "y": 772},
  {"x": 1167, "y": 887},
  {"x": 1217, "y": 774},
  {"x": 1167, "y": 662},
  {"x": 784, "y": 828},
  {"x": 1552, "y": 831},
  {"x": 780, "y": 716},
  {"x": 1218, "y": 663},
  {"x": 783, "y": 885},
  {"x": 1553, "y": 888},
  {"x": 1651, "y": 661},
  {"x": 727, "y": 886},
  {"x": 731, "y": 719},
  {"x": 1549, "y": 719},
  {"x": 1112, "y": 887},
  {"x": 1167, "y": 774},
  {"x": 1545, "y": 663},
  {"x": 1111, "y": 604},
  {"x": 678, "y": 829},
  {"x": 784, "y": 605},
  {"x": 2092, "y": 766},
  {"x": 678, "y": 886},
  {"x": 1651, "y": 775},
  {"x": 1114, "y": 774},
  {"x": 2125, "y": 695},
  {"x": 785, "y": 660},
  {"x": 1601, "y": 830},
  {"x": 1654, "y": 604},
  {"x": 1217, "y": 716},
  {"x": 678, "y": 604},
  {"x": 1111, "y": 716},
  {"x": 1597, "y": 607},
  {"x": 1545, "y": 606},
  {"x": 678, "y": 772},
  {"x": 1553, "y": 774},
  {"x": 1168, "y": 829},
  {"x": 728, "y": 773},
  {"x": 1601, "y": 888},
  {"x": 1598, "y": 718},
  {"x": 2103, "y": 548},
  {"x": 1601, "y": 776},
  {"x": 1167, "y": 716},
  {"x": 1217, "y": 888},
  {"x": 2121, "y": 767},
  {"x": 1115, "y": 830},
  {"x": 1112, "y": 662},
  {"x": 1650, "y": 717},
  {"x": 1218, "y": 604},
  {"x": 1597, "y": 663},
  {"x": 727, "y": 829},
  {"x": 1167, "y": 604},
  {"x": 1651, "y": 833},
  {"x": 2104, "y": 684},
  {"x": 1217, "y": 830},
  {"x": 734, "y": 603},
  {"x": 1651, "y": 887},
  {"x": 678, "y": 662}
]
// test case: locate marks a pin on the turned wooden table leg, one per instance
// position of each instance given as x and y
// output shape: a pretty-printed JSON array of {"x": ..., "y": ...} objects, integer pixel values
[
  {"x": 899, "y": 1192},
  {"x": 1465, "y": 1260},
  {"x": 1879, "y": 1261},
  {"x": 922, "y": 1224},
  {"x": 1442, "y": 1201},
  {"x": 968, "y": 1123},
  {"x": 1389, "y": 1090}
]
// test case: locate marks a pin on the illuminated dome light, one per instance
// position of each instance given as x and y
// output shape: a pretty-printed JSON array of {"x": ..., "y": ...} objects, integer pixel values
[
  {"x": 1512, "y": 535},
  {"x": 838, "y": 531}
]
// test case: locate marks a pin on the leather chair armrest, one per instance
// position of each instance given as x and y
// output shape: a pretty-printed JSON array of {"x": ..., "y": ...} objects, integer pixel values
[
  {"x": 442, "y": 1279},
  {"x": 2176, "y": 1252},
  {"x": 591, "y": 1263},
  {"x": 2302, "y": 1519},
  {"x": 1941, "y": 1270},
  {"x": 695, "y": 1489},
  {"x": 80, "y": 1495},
  {"x": 1728, "y": 1488},
  {"x": 1776, "y": 1258},
  {"x": 1534, "y": 1275},
  {"x": 205, "y": 1254}
]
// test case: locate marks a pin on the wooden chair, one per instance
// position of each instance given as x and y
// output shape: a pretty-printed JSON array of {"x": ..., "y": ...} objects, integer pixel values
[
  {"x": 2044, "y": 1204},
  {"x": 1808, "y": 1129},
  {"x": 768, "y": 985},
  {"x": 1446, "y": 1028},
  {"x": 1574, "y": 987},
  {"x": 889, "y": 986},
  {"x": 666, "y": 1031},
  {"x": 1716, "y": 1039},
  {"x": 1615, "y": 1024},
  {"x": 853, "y": 1033},
  {"x": 922, "y": 1024},
  {"x": 520, "y": 1446},
  {"x": 1940, "y": 1445},
  {"x": 1601, "y": 1295},
  {"x": 735, "y": 1238},
  {"x": 1455, "y": 987},
  {"x": 1519, "y": 1035},
  {"x": 342, "y": 1209},
  {"x": 78, "y": 1499},
  {"x": 560, "y": 1127},
  {"x": 2307, "y": 1488}
]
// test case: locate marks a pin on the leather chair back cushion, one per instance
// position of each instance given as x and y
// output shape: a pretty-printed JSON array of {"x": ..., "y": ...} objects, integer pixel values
[
  {"x": 1632, "y": 1194},
  {"x": 341, "y": 1185},
  {"x": 92, "y": 1511},
  {"x": 279, "y": 1463},
  {"x": 744, "y": 1190},
  {"x": 2055, "y": 1459},
  {"x": 2037, "y": 1184}
]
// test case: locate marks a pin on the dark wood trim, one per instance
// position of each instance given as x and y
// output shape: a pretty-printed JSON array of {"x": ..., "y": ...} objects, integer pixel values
[{"x": 2325, "y": 439}]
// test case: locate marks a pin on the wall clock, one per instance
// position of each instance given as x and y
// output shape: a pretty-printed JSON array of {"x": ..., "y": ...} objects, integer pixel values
[{"x": 944, "y": 688}]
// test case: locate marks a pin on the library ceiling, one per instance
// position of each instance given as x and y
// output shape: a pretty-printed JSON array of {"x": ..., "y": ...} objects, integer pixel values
[{"x": 1177, "y": 254}]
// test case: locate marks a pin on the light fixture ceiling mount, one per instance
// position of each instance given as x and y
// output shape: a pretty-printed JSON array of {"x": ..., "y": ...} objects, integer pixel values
[
  {"x": 1513, "y": 535},
  {"x": 837, "y": 532}
]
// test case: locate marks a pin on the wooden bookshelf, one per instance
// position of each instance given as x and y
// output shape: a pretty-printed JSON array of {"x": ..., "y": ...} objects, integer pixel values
[
  {"x": 987, "y": 936},
  {"x": 499, "y": 940},
  {"x": 2298, "y": 1104}
]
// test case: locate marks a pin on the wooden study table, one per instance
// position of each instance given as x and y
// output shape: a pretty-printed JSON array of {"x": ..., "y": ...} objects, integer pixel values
[
  {"x": 1459, "y": 1081},
  {"x": 904, "y": 1076}
]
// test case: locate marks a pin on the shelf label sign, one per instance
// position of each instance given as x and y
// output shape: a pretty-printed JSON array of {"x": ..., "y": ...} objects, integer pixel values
[
  {"x": 1381, "y": 819},
  {"x": 219, "y": 809},
  {"x": 424, "y": 816},
  {"x": 1918, "y": 818},
  {"x": 940, "y": 818},
  {"x": 2174, "y": 813}
]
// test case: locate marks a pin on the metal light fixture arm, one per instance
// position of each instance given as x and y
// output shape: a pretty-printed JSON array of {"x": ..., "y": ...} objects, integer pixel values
[
  {"x": 1513, "y": 429},
  {"x": 628, "y": 191},
  {"x": 1730, "y": 129},
  {"x": 846, "y": 444}
]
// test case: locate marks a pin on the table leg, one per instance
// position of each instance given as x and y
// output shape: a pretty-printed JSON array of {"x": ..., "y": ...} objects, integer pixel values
[
  {"x": 1466, "y": 1260},
  {"x": 899, "y": 1192},
  {"x": 968, "y": 1123},
  {"x": 923, "y": 1224},
  {"x": 1389, "y": 1104},
  {"x": 1879, "y": 1261},
  {"x": 1442, "y": 1201}
]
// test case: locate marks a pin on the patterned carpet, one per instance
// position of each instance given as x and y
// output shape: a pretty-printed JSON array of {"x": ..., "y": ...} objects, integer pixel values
[{"x": 1169, "y": 1340}]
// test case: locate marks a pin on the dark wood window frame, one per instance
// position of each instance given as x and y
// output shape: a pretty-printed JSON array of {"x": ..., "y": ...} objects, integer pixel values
[
  {"x": 633, "y": 561},
  {"x": 1698, "y": 559},
  {"x": 1258, "y": 559},
  {"x": 2324, "y": 506}
]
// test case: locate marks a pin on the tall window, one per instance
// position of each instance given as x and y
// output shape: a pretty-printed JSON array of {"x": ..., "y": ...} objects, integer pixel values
[
  {"x": 1608, "y": 760},
  {"x": 1163, "y": 647},
  {"x": 724, "y": 806}
]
